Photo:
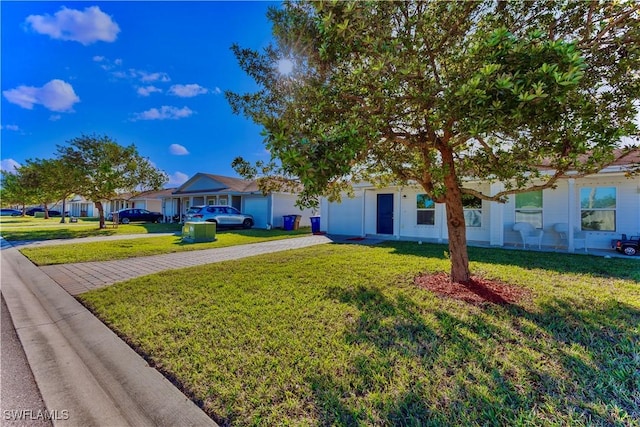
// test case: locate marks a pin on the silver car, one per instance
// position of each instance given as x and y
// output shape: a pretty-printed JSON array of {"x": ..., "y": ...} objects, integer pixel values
[{"x": 223, "y": 216}]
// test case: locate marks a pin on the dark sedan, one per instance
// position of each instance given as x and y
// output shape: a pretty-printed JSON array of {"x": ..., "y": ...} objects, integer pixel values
[
  {"x": 125, "y": 216},
  {"x": 32, "y": 211},
  {"x": 10, "y": 212}
]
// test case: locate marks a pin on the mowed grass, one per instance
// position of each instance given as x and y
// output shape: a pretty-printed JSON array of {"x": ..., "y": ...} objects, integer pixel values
[
  {"x": 339, "y": 335},
  {"x": 128, "y": 248},
  {"x": 29, "y": 228}
]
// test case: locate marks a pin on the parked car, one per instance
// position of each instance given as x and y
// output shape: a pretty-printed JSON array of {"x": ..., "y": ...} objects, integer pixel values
[
  {"x": 32, "y": 211},
  {"x": 627, "y": 245},
  {"x": 223, "y": 216},
  {"x": 10, "y": 212},
  {"x": 125, "y": 216}
]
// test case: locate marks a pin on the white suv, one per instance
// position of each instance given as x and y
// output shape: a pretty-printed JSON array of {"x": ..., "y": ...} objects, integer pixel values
[{"x": 223, "y": 216}]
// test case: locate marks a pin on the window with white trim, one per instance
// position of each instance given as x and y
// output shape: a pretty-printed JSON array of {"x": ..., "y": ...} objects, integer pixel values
[
  {"x": 472, "y": 210},
  {"x": 426, "y": 210},
  {"x": 529, "y": 208},
  {"x": 598, "y": 208}
]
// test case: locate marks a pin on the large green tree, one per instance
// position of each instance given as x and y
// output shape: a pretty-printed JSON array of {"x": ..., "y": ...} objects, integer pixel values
[
  {"x": 432, "y": 92},
  {"x": 15, "y": 191},
  {"x": 108, "y": 169},
  {"x": 35, "y": 175},
  {"x": 49, "y": 181}
]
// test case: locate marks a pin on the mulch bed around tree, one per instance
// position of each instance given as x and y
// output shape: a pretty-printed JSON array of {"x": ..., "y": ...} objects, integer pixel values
[{"x": 477, "y": 291}]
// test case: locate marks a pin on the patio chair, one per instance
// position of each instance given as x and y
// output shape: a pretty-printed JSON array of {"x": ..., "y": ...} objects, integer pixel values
[
  {"x": 529, "y": 234},
  {"x": 579, "y": 237}
]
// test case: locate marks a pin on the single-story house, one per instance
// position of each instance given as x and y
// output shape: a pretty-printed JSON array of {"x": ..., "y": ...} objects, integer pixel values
[
  {"x": 208, "y": 189},
  {"x": 584, "y": 212},
  {"x": 151, "y": 200}
]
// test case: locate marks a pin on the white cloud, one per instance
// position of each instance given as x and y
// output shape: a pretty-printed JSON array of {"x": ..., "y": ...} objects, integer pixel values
[
  {"x": 148, "y": 90},
  {"x": 9, "y": 165},
  {"x": 98, "y": 58},
  {"x": 176, "y": 179},
  {"x": 56, "y": 95},
  {"x": 55, "y": 117},
  {"x": 178, "y": 150},
  {"x": 86, "y": 27},
  {"x": 217, "y": 91},
  {"x": 187, "y": 91},
  {"x": 163, "y": 113},
  {"x": 145, "y": 76},
  {"x": 14, "y": 128}
]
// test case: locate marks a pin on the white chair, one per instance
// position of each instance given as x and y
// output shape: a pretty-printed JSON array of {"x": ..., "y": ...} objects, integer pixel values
[
  {"x": 529, "y": 234},
  {"x": 579, "y": 237}
]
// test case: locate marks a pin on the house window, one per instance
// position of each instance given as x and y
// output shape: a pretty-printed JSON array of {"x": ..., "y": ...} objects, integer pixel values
[
  {"x": 529, "y": 208},
  {"x": 426, "y": 210},
  {"x": 224, "y": 201},
  {"x": 472, "y": 210},
  {"x": 211, "y": 201},
  {"x": 598, "y": 208}
]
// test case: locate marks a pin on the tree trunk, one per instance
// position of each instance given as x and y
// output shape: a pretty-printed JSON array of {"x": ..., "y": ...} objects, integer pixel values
[
  {"x": 457, "y": 238},
  {"x": 63, "y": 206},
  {"x": 101, "y": 214},
  {"x": 455, "y": 222}
]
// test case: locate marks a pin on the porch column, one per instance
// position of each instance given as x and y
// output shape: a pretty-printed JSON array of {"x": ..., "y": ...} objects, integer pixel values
[
  {"x": 571, "y": 220},
  {"x": 398, "y": 214},
  {"x": 441, "y": 220},
  {"x": 496, "y": 217},
  {"x": 364, "y": 203}
]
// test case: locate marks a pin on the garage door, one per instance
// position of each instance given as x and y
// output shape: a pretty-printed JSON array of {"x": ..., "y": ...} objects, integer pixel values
[{"x": 258, "y": 207}]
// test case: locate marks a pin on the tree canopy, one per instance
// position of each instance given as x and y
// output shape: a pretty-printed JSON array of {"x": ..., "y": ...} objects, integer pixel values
[
  {"x": 108, "y": 169},
  {"x": 431, "y": 92}
]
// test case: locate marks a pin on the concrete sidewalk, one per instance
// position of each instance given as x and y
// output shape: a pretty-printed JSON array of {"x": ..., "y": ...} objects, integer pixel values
[{"x": 82, "y": 277}]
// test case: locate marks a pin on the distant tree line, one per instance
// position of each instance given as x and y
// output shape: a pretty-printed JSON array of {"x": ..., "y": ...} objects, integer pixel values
[{"x": 95, "y": 167}]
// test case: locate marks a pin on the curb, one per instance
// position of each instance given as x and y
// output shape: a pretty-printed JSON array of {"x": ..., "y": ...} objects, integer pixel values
[{"x": 87, "y": 375}]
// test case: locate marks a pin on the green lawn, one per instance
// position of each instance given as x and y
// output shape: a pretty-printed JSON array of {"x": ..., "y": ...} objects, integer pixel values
[
  {"x": 28, "y": 228},
  {"x": 128, "y": 248},
  {"x": 340, "y": 335}
]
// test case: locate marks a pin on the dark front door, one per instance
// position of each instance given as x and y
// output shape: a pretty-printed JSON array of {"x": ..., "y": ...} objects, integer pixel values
[{"x": 385, "y": 214}]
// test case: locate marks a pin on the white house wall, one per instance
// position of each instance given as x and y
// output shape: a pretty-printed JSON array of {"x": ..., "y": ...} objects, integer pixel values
[
  {"x": 627, "y": 208},
  {"x": 358, "y": 216},
  {"x": 285, "y": 204}
]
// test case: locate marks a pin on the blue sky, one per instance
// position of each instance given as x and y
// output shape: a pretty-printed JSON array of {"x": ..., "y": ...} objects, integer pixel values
[{"x": 151, "y": 74}]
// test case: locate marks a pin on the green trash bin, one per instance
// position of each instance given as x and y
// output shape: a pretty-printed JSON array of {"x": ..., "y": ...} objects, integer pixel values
[{"x": 199, "y": 232}]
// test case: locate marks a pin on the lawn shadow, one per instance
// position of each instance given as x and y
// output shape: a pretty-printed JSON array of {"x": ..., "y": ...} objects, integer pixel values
[
  {"x": 607, "y": 367},
  {"x": 160, "y": 227},
  {"x": 571, "y": 358},
  {"x": 561, "y": 262},
  {"x": 395, "y": 331}
]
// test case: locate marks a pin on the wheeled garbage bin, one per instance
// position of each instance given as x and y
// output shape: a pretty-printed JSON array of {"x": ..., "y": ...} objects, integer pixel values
[
  {"x": 315, "y": 224},
  {"x": 288, "y": 221}
]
